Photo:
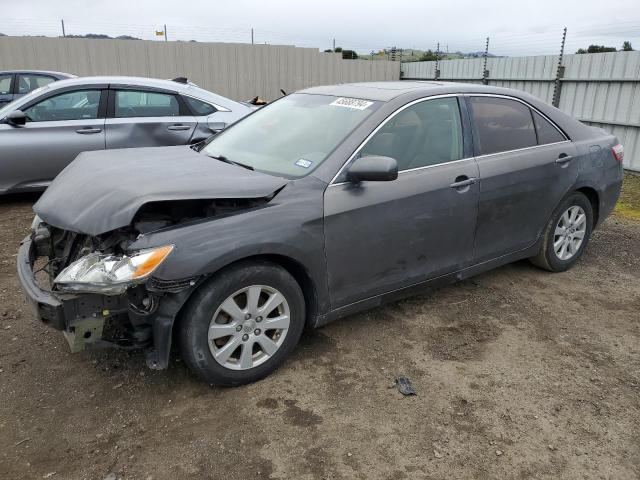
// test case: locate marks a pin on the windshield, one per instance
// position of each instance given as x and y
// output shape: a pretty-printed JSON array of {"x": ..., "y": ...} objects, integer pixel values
[
  {"x": 292, "y": 136},
  {"x": 11, "y": 106}
]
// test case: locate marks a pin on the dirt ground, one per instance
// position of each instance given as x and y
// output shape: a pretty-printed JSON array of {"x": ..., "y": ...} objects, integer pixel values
[{"x": 519, "y": 373}]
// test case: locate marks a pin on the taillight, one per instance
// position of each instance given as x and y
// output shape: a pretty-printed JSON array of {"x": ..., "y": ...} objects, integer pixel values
[{"x": 618, "y": 152}]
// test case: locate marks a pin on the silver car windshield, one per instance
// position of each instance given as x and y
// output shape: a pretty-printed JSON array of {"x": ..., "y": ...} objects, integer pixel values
[
  {"x": 11, "y": 106},
  {"x": 292, "y": 136}
]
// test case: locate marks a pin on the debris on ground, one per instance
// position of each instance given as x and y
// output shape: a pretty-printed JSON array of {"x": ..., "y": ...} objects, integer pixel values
[{"x": 403, "y": 384}]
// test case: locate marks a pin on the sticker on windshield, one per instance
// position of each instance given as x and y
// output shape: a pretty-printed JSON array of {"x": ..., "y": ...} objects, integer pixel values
[
  {"x": 354, "y": 103},
  {"x": 304, "y": 163}
]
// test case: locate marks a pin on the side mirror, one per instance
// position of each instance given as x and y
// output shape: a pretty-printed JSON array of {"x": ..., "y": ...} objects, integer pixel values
[
  {"x": 17, "y": 118},
  {"x": 373, "y": 169}
]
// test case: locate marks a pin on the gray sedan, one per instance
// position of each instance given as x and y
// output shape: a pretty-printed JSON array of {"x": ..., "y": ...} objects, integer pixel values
[
  {"x": 324, "y": 203},
  {"x": 42, "y": 132},
  {"x": 16, "y": 83}
]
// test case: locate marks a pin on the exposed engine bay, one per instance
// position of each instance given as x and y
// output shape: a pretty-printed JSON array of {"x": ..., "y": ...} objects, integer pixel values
[{"x": 124, "y": 319}]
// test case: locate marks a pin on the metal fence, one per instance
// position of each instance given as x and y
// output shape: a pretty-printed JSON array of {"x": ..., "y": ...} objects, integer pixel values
[
  {"x": 601, "y": 89},
  {"x": 239, "y": 71}
]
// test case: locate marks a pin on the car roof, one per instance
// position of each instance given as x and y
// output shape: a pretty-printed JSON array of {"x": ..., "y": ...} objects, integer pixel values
[
  {"x": 42, "y": 72},
  {"x": 387, "y": 91},
  {"x": 178, "y": 87}
]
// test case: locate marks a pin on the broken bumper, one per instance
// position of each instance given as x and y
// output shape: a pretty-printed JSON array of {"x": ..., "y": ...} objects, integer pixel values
[{"x": 80, "y": 317}]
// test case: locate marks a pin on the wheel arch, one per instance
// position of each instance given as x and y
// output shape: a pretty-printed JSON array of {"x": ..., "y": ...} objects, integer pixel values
[{"x": 594, "y": 198}]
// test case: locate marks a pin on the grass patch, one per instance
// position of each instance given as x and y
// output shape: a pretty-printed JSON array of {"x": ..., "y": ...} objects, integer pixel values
[{"x": 628, "y": 205}]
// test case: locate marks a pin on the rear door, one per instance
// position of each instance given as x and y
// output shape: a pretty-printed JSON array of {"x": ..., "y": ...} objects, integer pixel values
[
  {"x": 59, "y": 127},
  {"x": 526, "y": 167},
  {"x": 6, "y": 88},
  {"x": 139, "y": 117}
]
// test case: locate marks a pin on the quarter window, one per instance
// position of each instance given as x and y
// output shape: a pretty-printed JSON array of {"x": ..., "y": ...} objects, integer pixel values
[
  {"x": 547, "y": 133},
  {"x": 131, "y": 103},
  {"x": 502, "y": 124},
  {"x": 5, "y": 84},
  {"x": 76, "y": 105},
  {"x": 427, "y": 133},
  {"x": 199, "y": 107},
  {"x": 28, "y": 83}
]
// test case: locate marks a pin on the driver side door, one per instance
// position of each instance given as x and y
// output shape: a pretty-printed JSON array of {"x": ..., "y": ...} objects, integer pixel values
[
  {"x": 384, "y": 236},
  {"x": 58, "y": 128}
]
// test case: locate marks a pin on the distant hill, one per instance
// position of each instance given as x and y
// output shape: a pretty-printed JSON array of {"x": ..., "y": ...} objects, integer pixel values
[
  {"x": 415, "y": 55},
  {"x": 101, "y": 36}
]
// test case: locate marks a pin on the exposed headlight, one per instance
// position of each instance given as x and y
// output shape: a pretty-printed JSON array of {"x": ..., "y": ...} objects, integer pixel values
[
  {"x": 36, "y": 222},
  {"x": 110, "y": 274}
]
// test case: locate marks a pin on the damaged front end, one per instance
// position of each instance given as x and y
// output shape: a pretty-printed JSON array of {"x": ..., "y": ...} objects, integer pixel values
[{"x": 98, "y": 292}]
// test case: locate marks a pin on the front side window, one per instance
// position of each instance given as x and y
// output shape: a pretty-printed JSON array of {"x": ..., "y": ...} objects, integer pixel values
[
  {"x": 427, "y": 133},
  {"x": 292, "y": 136},
  {"x": 547, "y": 133},
  {"x": 199, "y": 107},
  {"x": 75, "y": 105},
  {"x": 502, "y": 124},
  {"x": 5, "y": 84},
  {"x": 28, "y": 83},
  {"x": 132, "y": 103}
]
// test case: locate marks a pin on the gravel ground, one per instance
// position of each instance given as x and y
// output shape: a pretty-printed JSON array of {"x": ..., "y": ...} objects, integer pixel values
[{"x": 519, "y": 373}]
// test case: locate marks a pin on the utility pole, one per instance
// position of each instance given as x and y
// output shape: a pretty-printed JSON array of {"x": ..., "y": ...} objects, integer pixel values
[
  {"x": 165, "y": 33},
  {"x": 485, "y": 72},
  {"x": 437, "y": 75},
  {"x": 64, "y": 34},
  {"x": 557, "y": 86},
  {"x": 334, "y": 44},
  {"x": 252, "y": 36}
]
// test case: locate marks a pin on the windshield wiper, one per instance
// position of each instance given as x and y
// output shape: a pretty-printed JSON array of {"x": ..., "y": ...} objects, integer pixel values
[{"x": 224, "y": 159}]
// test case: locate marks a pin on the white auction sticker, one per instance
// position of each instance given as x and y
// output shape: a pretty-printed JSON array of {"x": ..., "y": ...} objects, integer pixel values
[
  {"x": 304, "y": 163},
  {"x": 354, "y": 103}
]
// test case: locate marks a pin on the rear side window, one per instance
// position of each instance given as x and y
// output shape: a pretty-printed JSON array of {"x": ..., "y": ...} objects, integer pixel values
[
  {"x": 28, "y": 83},
  {"x": 133, "y": 103},
  {"x": 75, "y": 105},
  {"x": 502, "y": 124},
  {"x": 5, "y": 84},
  {"x": 547, "y": 133},
  {"x": 199, "y": 107}
]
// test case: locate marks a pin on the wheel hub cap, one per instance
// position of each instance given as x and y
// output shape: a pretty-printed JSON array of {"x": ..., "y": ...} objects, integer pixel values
[
  {"x": 249, "y": 327},
  {"x": 569, "y": 233}
]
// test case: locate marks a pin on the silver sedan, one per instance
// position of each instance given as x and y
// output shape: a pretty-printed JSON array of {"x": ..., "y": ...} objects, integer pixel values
[{"x": 42, "y": 132}]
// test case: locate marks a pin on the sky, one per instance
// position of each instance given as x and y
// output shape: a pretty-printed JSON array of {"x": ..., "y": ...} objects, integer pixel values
[{"x": 514, "y": 27}]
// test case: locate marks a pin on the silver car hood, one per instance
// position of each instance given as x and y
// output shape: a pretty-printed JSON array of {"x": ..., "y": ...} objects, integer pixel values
[{"x": 103, "y": 190}]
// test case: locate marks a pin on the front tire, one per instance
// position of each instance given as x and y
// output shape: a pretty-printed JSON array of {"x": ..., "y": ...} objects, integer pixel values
[
  {"x": 242, "y": 324},
  {"x": 566, "y": 235}
]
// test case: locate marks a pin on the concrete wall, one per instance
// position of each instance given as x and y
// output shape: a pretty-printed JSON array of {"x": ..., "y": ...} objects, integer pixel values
[
  {"x": 236, "y": 70},
  {"x": 601, "y": 89}
]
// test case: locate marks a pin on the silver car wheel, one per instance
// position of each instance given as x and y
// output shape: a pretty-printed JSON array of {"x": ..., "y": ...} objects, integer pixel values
[
  {"x": 569, "y": 233},
  {"x": 249, "y": 327}
]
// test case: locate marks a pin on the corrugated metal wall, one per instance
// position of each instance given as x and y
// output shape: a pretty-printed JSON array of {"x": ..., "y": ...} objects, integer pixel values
[
  {"x": 236, "y": 70},
  {"x": 601, "y": 89}
]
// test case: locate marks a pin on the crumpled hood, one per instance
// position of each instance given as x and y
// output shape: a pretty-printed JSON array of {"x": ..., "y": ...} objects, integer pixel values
[{"x": 103, "y": 190}]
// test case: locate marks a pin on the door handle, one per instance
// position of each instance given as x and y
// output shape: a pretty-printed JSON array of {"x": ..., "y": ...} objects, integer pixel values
[
  {"x": 564, "y": 158},
  {"x": 463, "y": 181},
  {"x": 179, "y": 127},
  {"x": 85, "y": 131}
]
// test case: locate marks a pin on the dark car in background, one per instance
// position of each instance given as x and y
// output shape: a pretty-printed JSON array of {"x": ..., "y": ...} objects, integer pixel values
[
  {"x": 326, "y": 202},
  {"x": 16, "y": 83},
  {"x": 42, "y": 132}
]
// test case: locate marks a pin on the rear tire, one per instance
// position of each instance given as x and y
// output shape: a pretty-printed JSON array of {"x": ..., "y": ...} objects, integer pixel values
[
  {"x": 566, "y": 235},
  {"x": 230, "y": 346}
]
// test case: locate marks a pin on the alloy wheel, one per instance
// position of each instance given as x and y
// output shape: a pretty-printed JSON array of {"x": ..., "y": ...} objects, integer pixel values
[
  {"x": 249, "y": 327},
  {"x": 570, "y": 232}
]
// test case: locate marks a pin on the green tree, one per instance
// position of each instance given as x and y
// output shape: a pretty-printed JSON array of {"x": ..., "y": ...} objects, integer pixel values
[
  {"x": 597, "y": 49},
  {"x": 428, "y": 56},
  {"x": 626, "y": 47}
]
